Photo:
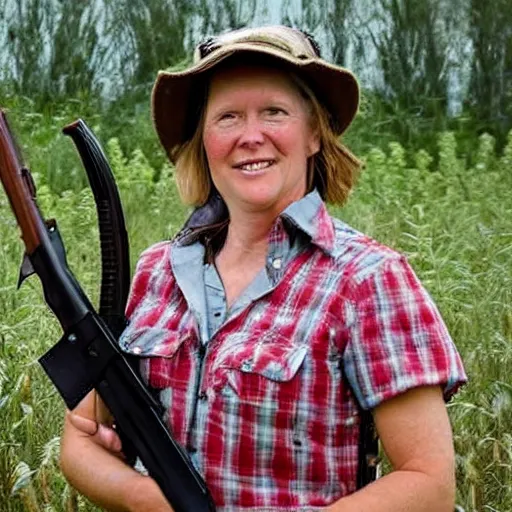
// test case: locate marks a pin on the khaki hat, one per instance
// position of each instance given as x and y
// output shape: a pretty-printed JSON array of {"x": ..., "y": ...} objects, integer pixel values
[{"x": 335, "y": 87}]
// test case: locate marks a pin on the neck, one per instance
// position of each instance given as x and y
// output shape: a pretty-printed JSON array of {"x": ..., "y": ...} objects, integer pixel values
[
  {"x": 247, "y": 239},
  {"x": 248, "y": 231}
]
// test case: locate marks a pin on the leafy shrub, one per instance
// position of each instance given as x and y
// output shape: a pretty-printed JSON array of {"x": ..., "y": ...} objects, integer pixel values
[{"x": 452, "y": 221}]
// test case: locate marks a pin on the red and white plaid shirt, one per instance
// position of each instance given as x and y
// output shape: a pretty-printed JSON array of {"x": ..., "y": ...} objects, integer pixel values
[{"x": 268, "y": 407}]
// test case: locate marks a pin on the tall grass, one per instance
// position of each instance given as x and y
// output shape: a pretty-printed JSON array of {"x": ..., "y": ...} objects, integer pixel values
[{"x": 452, "y": 220}]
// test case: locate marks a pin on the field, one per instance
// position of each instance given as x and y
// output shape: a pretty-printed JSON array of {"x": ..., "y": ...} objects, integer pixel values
[{"x": 453, "y": 219}]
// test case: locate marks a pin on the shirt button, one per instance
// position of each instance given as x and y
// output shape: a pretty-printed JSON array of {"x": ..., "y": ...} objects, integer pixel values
[
  {"x": 137, "y": 350},
  {"x": 277, "y": 263},
  {"x": 350, "y": 421},
  {"x": 202, "y": 395},
  {"x": 246, "y": 366}
]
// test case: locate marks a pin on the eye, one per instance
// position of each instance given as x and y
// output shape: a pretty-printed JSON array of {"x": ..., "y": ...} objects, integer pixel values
[
  {"x": 226, "y": 119},
  {"x": 274, "y": 111},
  {"x": 226, "y": 116}
]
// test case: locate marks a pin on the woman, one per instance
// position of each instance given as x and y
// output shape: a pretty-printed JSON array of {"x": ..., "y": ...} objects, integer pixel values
[{"x": 266, "y": 326}]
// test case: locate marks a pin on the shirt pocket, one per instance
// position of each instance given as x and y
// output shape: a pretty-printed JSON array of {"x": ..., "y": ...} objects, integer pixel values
[
  {"x": 164, "y": 356},
  {"x": 264, "y": 378}
]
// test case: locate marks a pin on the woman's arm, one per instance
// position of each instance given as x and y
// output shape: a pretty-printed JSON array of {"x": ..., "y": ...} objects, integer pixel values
[
  {"x": 416, "y": 435},
  {"x": 101, "y": 474}
]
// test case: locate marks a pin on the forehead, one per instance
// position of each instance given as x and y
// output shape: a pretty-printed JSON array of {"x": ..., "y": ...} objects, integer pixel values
[{"x": 238, "y": 79}]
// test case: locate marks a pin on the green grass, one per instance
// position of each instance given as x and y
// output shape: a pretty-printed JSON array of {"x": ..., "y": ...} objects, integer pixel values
[{"x": 452, "y": 221}]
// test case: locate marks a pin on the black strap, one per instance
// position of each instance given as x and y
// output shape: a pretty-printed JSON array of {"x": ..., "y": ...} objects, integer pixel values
[{"x": 368, "y": 450}]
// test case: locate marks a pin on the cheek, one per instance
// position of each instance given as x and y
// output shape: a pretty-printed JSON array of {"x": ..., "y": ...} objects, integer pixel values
[
  {"x": 291, "y": 138},
  {"x": 216, "y": 145},
  {"x": 290, "y": 142}
]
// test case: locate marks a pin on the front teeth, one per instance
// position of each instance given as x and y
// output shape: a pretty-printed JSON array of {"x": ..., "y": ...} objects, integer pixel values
[{"x": 256, "y": 166}]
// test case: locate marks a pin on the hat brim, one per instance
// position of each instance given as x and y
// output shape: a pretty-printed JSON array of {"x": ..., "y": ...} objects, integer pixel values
[{"x": 335, "y": 87}]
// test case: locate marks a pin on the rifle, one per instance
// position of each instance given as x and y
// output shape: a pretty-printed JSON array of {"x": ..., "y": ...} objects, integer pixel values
[{"x": 87, "y": 356}]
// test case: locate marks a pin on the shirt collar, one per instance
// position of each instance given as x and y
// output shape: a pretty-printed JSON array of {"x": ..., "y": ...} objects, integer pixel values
[{"x": 309, "y": 214}]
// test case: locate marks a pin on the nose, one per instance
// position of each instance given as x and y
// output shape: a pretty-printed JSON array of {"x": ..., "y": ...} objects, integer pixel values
[{"x": 252, "y": 133}]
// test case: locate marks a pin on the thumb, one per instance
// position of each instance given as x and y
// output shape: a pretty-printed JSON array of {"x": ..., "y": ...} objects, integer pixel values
[
  {"x": 104, "y": 435},
  {"x": 109, "y": 439}
]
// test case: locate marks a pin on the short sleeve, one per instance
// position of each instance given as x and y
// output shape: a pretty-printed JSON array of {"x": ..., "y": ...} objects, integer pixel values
[{"x": 398, "y": 340}]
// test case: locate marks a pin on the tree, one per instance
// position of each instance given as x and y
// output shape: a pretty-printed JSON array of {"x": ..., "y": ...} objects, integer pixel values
[
  {"x": 490, "y": 93},
  {"x": 413, "y": 41},
  {"x": 149, "y": 35},
  {"x": 338, "y": 23},
  {"x": 219, "y": 15},
  {"x": 77, "y": 56},
  {"x": 54, "y": 49}
]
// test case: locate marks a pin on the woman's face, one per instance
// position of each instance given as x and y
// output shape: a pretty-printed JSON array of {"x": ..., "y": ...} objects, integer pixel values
[{"x": 258, "y": 138}]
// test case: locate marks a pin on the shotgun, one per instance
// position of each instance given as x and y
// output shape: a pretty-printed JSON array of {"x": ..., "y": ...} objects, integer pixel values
[{"x": 87, "y": 356}]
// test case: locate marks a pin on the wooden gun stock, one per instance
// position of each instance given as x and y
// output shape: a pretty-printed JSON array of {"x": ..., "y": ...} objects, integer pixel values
[{"x": 20, "y": 189}]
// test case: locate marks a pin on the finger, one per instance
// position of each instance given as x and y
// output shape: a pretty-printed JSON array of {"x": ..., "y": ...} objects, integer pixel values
[
  {"x": 103, "y": 435},
  {"x": 109, "y": 439},
  {"x": 85, "y": 425}
]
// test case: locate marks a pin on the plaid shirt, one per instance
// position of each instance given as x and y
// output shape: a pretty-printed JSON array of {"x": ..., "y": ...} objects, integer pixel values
[{"x": 269, "y": 406}]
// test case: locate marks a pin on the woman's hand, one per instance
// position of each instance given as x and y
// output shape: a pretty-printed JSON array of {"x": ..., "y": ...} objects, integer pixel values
[
  {"x": 91, "y": 460},
  {"x": 100, "y": 433}
]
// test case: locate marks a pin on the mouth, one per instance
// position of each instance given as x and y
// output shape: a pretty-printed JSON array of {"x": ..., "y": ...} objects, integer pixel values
[{"x": 255, "y": 166}]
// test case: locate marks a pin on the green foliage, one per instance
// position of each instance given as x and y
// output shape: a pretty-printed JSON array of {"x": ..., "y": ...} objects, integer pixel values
[
  {"x": 435, "y": 187},
  {"x": 451, "y": 219},
  {"x": 453, "y": 223},
  {"x": 138, "y": 186},
  {"x": 334, "y": 18},
  {"x": 412, "y": 56},
  {"x": 412, "y": 49}
]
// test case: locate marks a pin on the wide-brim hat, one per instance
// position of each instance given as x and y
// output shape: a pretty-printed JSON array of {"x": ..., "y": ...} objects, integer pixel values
[{"x": 173, "y": 100}]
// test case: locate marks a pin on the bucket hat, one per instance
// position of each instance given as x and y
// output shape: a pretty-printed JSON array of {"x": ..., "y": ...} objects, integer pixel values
[{"x": 175, "y": 93}]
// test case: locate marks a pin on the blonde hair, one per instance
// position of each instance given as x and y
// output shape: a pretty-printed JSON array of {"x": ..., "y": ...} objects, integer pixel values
[
  {"x": 333, "y": 170},
  {"x": 192, "y": 173}
]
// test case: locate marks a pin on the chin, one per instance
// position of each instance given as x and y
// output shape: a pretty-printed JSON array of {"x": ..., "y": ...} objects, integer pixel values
[
  {"x": 260, "y": 202},
  {"x": 262, "y": 197},
  {"x": 268, "y": 201}
]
